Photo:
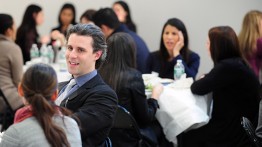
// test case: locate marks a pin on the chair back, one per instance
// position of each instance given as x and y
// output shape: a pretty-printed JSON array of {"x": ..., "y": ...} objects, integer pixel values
[
  {"x": 125, "y": 130},
  {"x": 250, "y": 131},
  {"x": 108, "y": 142},
  {"x": 124, "y": 120}
]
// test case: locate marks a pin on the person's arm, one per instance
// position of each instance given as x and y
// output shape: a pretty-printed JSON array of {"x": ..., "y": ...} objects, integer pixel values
[
  {"x": 97, "y": 112},
  {"x": 29, "y": 41},
  {"x": 217, "y": 77},
  {"x": 144, "y": 109},
  {"x": 16, "y": 61},
  {"x": 10, "y": 138},
  {"x": 149, "y": 63}
]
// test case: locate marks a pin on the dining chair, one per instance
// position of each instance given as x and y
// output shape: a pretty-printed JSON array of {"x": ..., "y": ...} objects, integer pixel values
[
  {"x": 108, "y": 142},
  {"x": 125, "y": 131},
  {"x": 250, "y": 131}
]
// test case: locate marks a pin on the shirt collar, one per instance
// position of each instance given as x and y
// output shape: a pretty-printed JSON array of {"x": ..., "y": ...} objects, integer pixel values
[{"x": 80, "y": 81}]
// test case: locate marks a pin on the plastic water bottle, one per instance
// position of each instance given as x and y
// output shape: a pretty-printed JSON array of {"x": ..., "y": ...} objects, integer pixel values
[
  {"x": 51, "y": 55},
  {"x": 34, "y": 52},
  {"x": 44, "y": 54},
  {"x": 179, "y": 70},
  {"x": 61, "y": 60}
]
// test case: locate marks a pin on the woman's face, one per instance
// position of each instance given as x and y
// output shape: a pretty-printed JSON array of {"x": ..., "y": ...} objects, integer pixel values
[
  {"x": 208, "y": 46},
  {"x": 120, "y": 12},
  {"x": 66, "y": 16},
  {"x": 170, "y": 37},
  {"x": 39, "y": 18}
]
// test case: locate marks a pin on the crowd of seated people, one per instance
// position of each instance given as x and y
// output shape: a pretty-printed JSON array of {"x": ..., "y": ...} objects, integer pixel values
[{"x": 106, "y": 58}]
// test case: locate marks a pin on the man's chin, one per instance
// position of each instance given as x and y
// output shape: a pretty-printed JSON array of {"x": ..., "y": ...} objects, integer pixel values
[{"x": 72, "y": 72}]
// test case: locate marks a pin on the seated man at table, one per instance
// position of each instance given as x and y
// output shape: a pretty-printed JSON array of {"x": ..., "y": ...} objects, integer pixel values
[
  {"x": 107, "y": 20},
  {"x": 90, "y": 99}
]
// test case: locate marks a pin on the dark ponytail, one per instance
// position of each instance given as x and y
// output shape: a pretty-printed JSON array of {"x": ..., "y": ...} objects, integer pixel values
[{"x": 39, "y": 83}]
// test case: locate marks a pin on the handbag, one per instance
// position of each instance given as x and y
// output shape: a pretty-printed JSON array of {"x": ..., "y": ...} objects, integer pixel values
[
  {"x": 7, "y": 116},
  {"x": 250, "y": 131}
]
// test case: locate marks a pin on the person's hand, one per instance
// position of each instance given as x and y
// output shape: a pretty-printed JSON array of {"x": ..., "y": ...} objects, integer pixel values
[
  {"x": 45, "y": 39},
  {"x": 56, "y": 35},
  {"x": 202, "y": 76},
  {"x": 157, "y": 90},
  {"x": 179, "y": 45}
]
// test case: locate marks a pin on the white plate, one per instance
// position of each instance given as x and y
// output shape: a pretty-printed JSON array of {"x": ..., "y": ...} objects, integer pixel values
[{"x": 166, "y": 81}]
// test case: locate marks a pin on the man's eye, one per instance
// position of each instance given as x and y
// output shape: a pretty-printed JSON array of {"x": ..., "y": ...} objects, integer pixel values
[
  {"x": 81, "y": 50},
  {"x": 69, "y": 48}
]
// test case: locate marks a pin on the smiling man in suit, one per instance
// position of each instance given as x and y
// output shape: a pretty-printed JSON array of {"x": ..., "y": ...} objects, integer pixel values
[{"x": 91, "y": 100}]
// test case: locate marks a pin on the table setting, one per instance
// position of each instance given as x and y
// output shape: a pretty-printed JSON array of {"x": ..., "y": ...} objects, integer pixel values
[{"x": 179, "y": 109}]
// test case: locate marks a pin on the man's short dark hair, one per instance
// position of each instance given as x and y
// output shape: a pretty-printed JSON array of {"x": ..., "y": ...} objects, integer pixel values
[
  {"x": 106, "y": 16},
  {"x": 99, "y": 40}
]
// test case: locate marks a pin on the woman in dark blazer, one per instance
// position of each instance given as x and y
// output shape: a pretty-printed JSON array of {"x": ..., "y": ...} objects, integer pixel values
[
  {"x": 235, "y": 89},
  {"x": 120, "y": 74}
]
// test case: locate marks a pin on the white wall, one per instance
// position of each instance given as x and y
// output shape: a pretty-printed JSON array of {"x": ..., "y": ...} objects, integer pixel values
[{"x": 150, "y": 15}]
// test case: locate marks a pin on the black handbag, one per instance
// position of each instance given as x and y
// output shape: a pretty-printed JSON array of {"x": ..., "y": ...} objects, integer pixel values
[
  {"x": 7, "y": 116},
  {"x": 250, "y": 131}
]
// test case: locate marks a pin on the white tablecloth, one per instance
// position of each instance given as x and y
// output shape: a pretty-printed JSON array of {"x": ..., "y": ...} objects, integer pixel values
[{"x": 180, "y": 111}]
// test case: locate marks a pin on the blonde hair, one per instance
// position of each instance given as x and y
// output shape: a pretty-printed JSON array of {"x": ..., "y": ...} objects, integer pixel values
[{"x": 250, "y": 32}]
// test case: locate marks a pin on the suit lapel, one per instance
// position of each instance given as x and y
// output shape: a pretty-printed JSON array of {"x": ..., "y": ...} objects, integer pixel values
[{"x": 88, "y": 85}]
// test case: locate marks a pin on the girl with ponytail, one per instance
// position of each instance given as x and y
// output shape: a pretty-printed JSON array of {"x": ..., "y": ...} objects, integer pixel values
[{"x": 41, "y": 122}]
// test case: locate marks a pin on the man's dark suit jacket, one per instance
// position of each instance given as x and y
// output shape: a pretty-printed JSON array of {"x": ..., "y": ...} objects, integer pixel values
[{"x": 94, "y": 104}]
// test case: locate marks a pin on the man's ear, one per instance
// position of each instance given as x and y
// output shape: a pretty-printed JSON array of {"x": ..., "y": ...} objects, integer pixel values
[
  {"x": 20, "y": 90},
  {"x": 104, "y": 28},
  {"x": 9, "y": 32},
  {"x": 98, "y": 54},
  {"x": 54, "y": 96}
]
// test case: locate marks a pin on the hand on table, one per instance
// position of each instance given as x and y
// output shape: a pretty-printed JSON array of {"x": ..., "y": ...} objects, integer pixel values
[{"x": 157, "y": 90}]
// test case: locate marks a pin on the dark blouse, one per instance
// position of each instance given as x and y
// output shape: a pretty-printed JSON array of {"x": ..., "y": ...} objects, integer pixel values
[
  {"x": 132, "y": 97},
  {"x": 25, "y": 42},
  {"x": 166, "y": 68},
  {"x": 235, "y": 90}
]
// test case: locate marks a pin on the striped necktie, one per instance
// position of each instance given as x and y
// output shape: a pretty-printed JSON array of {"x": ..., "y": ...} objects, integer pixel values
[{"x": 63, "y": 95}]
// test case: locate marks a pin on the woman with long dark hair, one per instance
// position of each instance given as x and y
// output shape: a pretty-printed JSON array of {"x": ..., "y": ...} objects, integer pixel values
[
  {"x": 173, "y": 46},
  {"x": 27, "y": 34},
  {"x": 66, "y": 18},
  {"x": 235, "y": 89},
  {"x": 123, "y": 14},
  {"x": 41, "y": 122},
  {"x": 128, "y": 83}
]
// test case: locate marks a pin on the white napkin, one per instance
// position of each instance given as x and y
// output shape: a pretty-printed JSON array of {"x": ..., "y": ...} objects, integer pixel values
[
  {"x": 182, "y": 83},
  {"x": 180, "y": 110},
  {"x": 1, "y": 135},
  {"x": 151, "y": 79}
]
